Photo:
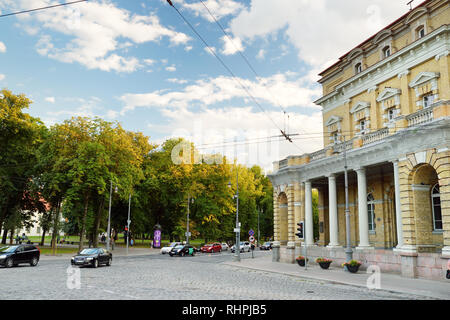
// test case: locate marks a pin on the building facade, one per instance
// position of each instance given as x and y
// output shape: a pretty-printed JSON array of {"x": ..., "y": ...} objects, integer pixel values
[{"x": 386, "y": 117}]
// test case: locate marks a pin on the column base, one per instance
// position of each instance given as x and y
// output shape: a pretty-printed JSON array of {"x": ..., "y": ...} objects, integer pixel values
[
  {"x": 333, "y": 246},
  {"x": 445, "y": 252},
  {"x": 361, "y": 248},
  {"x": 276, "y": 251}
]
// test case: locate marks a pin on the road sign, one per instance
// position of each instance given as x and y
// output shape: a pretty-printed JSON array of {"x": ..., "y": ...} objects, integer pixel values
[
  {"x": 251, "y": 239},
  {"x": 187, "y": 234},
  {"x": 251, "y": 232},
  {"x": 237, "y": 230}
]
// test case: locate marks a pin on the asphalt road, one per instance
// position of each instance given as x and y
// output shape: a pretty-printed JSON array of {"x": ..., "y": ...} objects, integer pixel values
[{"x": 156, "y": 276}]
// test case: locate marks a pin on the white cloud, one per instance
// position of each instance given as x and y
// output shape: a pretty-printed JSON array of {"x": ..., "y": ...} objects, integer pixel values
[
  {"x": 212, "y": 130},
  {"x": 231, "y": 46},
  {"x": 2, "y": 77},
  {"x": 97, "y": 30},
  {"x": 276, "y": 90},
  {"x": 171, "y": 68},
  {"x": 219, "y": 8},
  {"x": 261, "y": 54},
  {"x": 321, "y": 30},
  {"x": 179, "y": 81},
  {"x": 50, "y": 99},
  {"x": 2, "y": 47}
]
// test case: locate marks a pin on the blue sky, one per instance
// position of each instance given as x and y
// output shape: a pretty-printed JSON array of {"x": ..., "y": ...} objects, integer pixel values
[{"x": 137, "y": 62}]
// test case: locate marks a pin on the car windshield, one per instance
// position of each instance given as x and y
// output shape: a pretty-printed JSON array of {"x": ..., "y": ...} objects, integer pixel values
[
  {"x": 267, "y": 244},
  {"x": 89, "y": 251},
  {"x": 179, "y": 247},
  {"x": 173, "y": 244},
  {"x": 8, "y": 249},
  {"x": 208, "y": 245}
]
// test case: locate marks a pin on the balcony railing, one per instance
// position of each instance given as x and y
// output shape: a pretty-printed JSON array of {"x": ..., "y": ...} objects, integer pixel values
[
  {"x": 419, "y": 117},
  {"x": 318, "y": 154},
  {"x": 339, "y": 147},
  {"x": 283, "y": 163},
  {"x": 375, "y": 136}
]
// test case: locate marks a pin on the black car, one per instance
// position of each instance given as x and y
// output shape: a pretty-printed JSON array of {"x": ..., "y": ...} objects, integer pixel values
[
  {"x": 182, "y": 250},
  {"x": 15, "y": 255},
  {"x": 92, "y": 257},
  {"x": 266, "y": 246}
]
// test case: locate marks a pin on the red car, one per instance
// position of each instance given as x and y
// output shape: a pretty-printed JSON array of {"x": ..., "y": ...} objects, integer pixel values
[{"x": 211, "y": 248}]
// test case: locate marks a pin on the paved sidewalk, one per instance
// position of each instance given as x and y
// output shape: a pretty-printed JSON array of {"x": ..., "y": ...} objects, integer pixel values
[
  {"x": 117, "y": 252},
  {"x": 389, "y": 282}
]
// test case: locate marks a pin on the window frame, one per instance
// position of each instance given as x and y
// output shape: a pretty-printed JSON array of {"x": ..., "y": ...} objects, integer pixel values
[
  {"x": 358, "y": 68},
  {"x": 436, "y": 195},
  {"x": 425, "y": 99},
  {"x": 386, "y": 49},
  {"x": 420, "y": 32},
  {"x": 371, "y": 212}
]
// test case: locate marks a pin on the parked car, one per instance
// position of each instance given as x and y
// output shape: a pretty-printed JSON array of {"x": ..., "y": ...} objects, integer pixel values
[
  {"x": 244, "y": 246},
  {"x": 225, "y": 247},
  {"x": 18, "y": 254},
  {"x": 266, "y": 246},
  {"x": 92, "y": 257},
  {"x": 182, "y": 250},
  {"x": 211, "y": 248},
  {"x": 167, "y": 249}
]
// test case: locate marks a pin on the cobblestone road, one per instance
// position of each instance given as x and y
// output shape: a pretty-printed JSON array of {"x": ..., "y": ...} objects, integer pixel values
[{"x": 164, "y": 277}]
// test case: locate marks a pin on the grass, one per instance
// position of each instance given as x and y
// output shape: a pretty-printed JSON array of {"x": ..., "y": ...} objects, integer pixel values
[{"x": 61, "y": 250}]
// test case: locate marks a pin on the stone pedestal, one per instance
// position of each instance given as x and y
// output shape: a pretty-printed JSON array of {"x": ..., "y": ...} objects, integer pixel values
[
  {"x": 290, "y": 252},
  {"x": 276, "y": 251},
  {"x": 409, "y": 264}
]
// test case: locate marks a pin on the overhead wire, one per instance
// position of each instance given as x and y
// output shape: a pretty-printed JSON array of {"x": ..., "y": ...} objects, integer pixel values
[{"x": 42, "y": 8}]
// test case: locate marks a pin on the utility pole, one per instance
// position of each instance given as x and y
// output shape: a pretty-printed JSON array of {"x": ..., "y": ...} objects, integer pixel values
[
  {"x": 259, "y": 211},
  {"x": 109, "y": 219},
  {"x": 187, "y": 223},
  {"x": 348, "y": 249},
  {"x": 128, "y": 221}
]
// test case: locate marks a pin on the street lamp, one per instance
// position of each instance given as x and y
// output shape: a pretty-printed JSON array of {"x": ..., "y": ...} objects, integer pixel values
[
  {"x": 237, "y": 255},
  {"x": 128, "y": 221},
  {"x": 348, "y": 248},
  {"x": 109, "y": 217},
  {"x": 187, "y": 223}
]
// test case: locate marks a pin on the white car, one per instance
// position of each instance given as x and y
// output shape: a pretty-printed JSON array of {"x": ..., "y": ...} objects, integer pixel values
[
  {"x": 165, "y": 250},
  {"x": 225, "y": 247},
  {"x": 243, "y": 246}
]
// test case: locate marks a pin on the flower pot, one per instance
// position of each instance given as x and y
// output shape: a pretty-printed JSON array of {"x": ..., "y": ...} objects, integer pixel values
[
  {"x": 301, "y": 263},
  {"x": 324, "y": 265},
  {"x": 352, "y": 269}
]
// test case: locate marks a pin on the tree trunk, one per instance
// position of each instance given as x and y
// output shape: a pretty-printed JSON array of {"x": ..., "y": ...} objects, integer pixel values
[
  {"x": 5, "y": 235},
  {"x": 43, "y": 237},
  {"x": 98, "y": 218},
  {"x": 11, "y": 238},
  {"x": 55, "y": 226},
  {"x": 83, "y": 222}
]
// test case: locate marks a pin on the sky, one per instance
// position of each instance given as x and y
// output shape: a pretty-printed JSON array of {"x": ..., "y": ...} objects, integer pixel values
[{"x": 138, "y": 62}]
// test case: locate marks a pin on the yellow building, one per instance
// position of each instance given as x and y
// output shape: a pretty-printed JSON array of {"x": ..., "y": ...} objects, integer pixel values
[{"x": 386, "y": 115}]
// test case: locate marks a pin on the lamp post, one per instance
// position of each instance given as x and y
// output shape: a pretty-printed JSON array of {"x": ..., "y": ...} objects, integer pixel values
[
  {"x": 109, "y": 218},
  {"x": 128, "y": 221},
  {"x": 187, "y": 223},
  {"x": 237, "y": 255}
]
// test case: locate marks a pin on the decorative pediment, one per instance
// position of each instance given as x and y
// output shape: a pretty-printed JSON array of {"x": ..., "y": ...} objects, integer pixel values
[
  {"x": 415, "y": 14},
  {"x": 422, "y": 78},
  {"x": 333, "y": 120},
  {"x": 360, "y": 106},
  {"x": 354, "y": 53},
  {"x": 388, "y": 93},
  {"x": 382, "y": 35}
]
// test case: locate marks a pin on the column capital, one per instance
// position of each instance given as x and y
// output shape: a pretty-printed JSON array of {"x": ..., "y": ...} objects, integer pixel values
[
  {"x": 395, "y": 161},
  {"x": 360, "y": 170},
  {"x": 331, "y": 176}
]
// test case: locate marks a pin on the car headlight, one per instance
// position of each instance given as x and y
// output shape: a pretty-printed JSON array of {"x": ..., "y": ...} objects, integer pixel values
[
  {"x": 89, "y": 259},
  {"x": 3, "y": 256}
]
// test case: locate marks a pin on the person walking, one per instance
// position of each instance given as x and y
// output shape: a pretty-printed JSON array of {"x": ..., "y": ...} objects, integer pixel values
[{"x": 448, "y": 269}]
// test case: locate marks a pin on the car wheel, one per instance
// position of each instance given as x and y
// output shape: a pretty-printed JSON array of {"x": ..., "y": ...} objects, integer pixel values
[
  {"x": 95, "y": 263},
  {"x": 34, "y": 262},
  {"x": 183, "y": 254},
  {"x": 9, "y": 263},
  {"x": 109, "y": 262}
]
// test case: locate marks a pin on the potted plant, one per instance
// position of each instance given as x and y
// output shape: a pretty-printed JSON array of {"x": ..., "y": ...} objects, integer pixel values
[
  {"x": 301, "y": 261},
  {"x": 352, "y": 265},
  {"x": 324, "y": 263}
]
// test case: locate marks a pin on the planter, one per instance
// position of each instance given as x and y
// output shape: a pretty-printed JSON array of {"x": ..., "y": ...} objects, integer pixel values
[
  {"x": 324, "y": 265},
  {"x": 352, "y": 269},
  {"x": 301, "y": 263}
]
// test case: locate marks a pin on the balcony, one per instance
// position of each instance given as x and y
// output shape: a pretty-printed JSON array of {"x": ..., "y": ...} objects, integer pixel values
[
  {"x": 375, "y": 136},
  {"x": 420, "y": 117}
]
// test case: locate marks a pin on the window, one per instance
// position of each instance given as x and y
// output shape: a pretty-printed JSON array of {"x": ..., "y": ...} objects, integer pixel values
[
  {"x": 428, "y": 100},
  {"x": 371, "y": 211},
  {"x": 358, "y": 68},
  {"x": 362, "y": 126},
  {"x": 391, "y": 114},
  {"x": 386, "y": 51},
  {"x": 436, "y": 205},
  {"x": 335, "y": 138},
  {"x": 420, "y": 32}
]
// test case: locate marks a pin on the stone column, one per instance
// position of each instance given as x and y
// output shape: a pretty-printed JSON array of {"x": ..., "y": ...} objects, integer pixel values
[
  {"x": 398, "y": 206},
  {"x": 309, "y": 227},
  {"x": 362, "y": 210},
  {"x": 332, "y": 210},
  {"x": 276, "y": 233},
  {"x": 291, "y": 218},
  {"x": 276, "y": 251}
]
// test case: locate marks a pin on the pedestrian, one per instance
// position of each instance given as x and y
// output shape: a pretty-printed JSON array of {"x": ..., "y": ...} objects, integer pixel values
[
  {"x": 103, "y": 238},
  {"x": 448, "y": 269},
  {"x": 131, "y": 242}
]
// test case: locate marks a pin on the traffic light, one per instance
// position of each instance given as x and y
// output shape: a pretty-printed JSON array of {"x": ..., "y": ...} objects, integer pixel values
[{"x": 300, "y": 230}]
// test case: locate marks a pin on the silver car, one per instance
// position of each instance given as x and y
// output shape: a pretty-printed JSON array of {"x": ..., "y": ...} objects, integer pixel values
[{"x": 244, "y": 246}]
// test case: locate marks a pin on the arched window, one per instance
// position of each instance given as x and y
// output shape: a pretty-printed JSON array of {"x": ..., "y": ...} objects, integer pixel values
[
  {"x": 358, "y": 68},
  {"x": 371, "y": 211},
  {"x": 420, "y": 32},
  {"x": 386, "y": 51},
  {"x": 436, "y": 205}
]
